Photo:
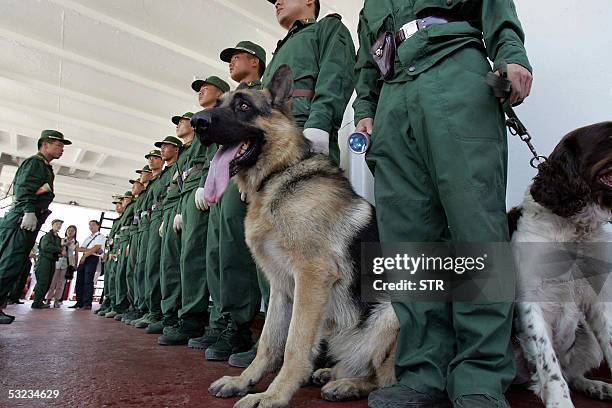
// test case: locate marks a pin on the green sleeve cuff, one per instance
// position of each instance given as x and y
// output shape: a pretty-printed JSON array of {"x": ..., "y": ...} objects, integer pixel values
[{"x": 512, "y": 53}]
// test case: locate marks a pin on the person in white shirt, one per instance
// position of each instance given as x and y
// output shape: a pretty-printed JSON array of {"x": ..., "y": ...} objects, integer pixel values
[{"x": 92, "y": 249}]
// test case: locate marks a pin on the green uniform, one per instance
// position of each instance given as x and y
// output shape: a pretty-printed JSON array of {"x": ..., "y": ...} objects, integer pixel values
[
  {"x": 231, "y": 272},
  {"x": 320, "y": 55},
  {"x": 171, "y": 242},
  {"x": 16, "y": 243},
  {"x": 109, "y": 268},
  {"x": 157, "y": 190},
  {"x": 141, "y": 303},
  {"x": 131, "y": 277},
  {"x": 50, "y": 248},
  {"x": 193, "y": 259},
  {"x": 439, "y": 156},
  {"x": 121, "y": 285}
]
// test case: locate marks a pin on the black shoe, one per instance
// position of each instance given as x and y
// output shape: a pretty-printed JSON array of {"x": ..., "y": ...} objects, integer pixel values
[
  {"x": 75, "y": 306},
  {"x": 402, "y": 396},
  {"x": 480, "y": 401},
  {"x": 15, "y": 302},
  {"x": 231, "y": 341},
  {"x": 39, "y": 305},
  {"x": 6, "y": 319}
]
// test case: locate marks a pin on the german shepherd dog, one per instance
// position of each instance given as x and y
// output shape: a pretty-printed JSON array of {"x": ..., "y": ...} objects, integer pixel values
[{"x": 304, "y": 226}]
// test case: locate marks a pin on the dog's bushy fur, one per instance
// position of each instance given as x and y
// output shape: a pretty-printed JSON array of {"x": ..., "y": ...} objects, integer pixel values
[
  {"x": 565, "y": 326},
  {"x": 302, "y": 225}
]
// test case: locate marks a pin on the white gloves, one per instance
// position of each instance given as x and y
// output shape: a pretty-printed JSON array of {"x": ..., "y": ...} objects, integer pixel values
[
  {"x": 200, "y": 201},
  {"x": 29, "y": 222},
  {"x": 161, "y": 230},
  {"x": 178, "y": 223},
  {"x": 319, "y": 140}
]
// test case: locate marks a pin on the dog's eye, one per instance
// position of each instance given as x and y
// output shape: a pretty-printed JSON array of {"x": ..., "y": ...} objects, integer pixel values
[{"x": 244, "y": 106}]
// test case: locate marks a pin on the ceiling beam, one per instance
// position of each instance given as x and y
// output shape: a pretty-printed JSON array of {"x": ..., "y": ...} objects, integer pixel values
[
  {"x": 35, "y": 84},
  {"x": 275, "y": 32},
  {"x": 137, "y": 32},
  {"x": 94, "y": 64},
  {"x": 77, "y": 159},
  {"x": 98, "y": 164}
]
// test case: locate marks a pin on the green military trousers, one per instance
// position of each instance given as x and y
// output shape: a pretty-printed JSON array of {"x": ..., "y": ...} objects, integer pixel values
[
  {"x": 152, "y": 278},
  {"x": 20, "y": 282},
  {"x": 194, "y": 289},
  {"x": 109, "y": 289},
  {"x": 439, "y": 158},
  {"x": 232, "y": 276},
  {"x": 141, "y": 262},
  {"x": 44, "y": 270},
  {"x": 121, "y": 287},
  {"x": 170, "y": 273},
  {"x": 15, "y": 247},
  {"x": 132, "y": 284}
]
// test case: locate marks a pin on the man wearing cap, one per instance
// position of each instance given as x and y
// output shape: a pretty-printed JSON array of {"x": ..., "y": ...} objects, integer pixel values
[
  {"x": 320, "y": 55},
  {"x": 109, "y": 264},
  {"x": 116, "y": 254},
  {"x": 49, "y": 251},
  {"x": 231, "y": 272},
  {"x": 193, "y": 225},
  {"x": 131, "y": 275},
  {"x": 33, "y": 190},
  {"x": 439, "y": 153},
  {"x": 121, "y": 290},
  {"x": 151, "y": 174},
  {"x": 170, "y": 246},
  {"x": 168, "y": 152},
  {"x": 136, "y": 232}
]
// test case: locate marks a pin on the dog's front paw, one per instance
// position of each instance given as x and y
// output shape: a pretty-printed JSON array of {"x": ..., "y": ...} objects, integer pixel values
[
  {"x": 228, "y": 386},
  {"x": 261, "y": 400},
  {"x": 322, "y": 376},
  {"x": 340, "y": 391}
]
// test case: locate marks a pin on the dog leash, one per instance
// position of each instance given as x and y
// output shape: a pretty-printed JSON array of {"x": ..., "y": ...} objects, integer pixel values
[{"x": 502, "y": 88}]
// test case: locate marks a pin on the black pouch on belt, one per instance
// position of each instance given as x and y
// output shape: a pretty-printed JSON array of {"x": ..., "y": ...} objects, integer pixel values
[{"x": 383, "y": 52}]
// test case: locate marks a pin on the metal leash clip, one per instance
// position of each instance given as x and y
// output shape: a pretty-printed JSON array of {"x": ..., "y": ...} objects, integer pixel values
[{"x": 502, "y": 88}]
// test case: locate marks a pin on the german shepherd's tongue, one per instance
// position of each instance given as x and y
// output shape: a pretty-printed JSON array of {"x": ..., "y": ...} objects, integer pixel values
[{"x": 218, "y": 173}]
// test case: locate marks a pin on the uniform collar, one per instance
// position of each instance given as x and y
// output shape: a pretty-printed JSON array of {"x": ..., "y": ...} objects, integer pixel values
[
  {"x": 253, "y": 84},
  {"x": 40, "y": 156},
  {"x": 295, "y": 28}
]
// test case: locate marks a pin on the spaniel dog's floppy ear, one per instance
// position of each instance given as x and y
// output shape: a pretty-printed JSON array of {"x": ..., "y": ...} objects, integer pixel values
[{"x": 559, "y": 186}]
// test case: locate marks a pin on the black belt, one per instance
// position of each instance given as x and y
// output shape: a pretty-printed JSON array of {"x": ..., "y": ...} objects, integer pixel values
[{"x": 410, "y": 28}]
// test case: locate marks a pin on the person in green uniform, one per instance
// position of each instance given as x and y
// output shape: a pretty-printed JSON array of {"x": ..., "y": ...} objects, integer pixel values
[
  {"x": 232, "y": 275},
  {"x": 109, "y": 263},
  {"x": 139, "y": 309},
  {"x": 33, "y": 190},
  {"x": 439, "y": 156},
  {"x": 193, "y": 225},
  {"x": 170, "y": 246},
  {"x": 158, "y": 188},
  {"x": 130, "y": 275},
  {"x": 320, "y": 54},
  {"x": 155, "y": 167},
  {"x": 122, "y": 303},
  {"x": 116, "y": 256},
  {"x": 50, "y": 249}
]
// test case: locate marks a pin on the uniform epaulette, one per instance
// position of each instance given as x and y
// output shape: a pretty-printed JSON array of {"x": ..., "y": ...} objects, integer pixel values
[{"x": 338, "y": 16}]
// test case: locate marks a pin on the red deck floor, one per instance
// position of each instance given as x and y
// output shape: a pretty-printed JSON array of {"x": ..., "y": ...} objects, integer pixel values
[{"x": 98, "y": 362}]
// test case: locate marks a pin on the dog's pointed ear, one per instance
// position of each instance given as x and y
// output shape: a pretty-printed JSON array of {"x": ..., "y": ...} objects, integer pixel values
[
  {"x": 559, "y": 186},
  {"x": 281, "y": 86}
]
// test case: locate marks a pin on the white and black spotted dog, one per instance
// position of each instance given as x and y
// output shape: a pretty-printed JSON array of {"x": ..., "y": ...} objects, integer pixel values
[{"x": 564, "y": 323}]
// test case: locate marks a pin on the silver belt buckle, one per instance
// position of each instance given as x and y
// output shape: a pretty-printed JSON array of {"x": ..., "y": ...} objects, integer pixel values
[{"x": 409, "y": 29}]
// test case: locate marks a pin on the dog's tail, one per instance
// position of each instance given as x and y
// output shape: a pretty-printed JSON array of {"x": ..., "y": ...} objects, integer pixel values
[{"x": 513, "y": 217}]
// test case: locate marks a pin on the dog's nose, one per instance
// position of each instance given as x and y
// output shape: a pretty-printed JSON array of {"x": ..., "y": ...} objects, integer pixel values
[{"x": 201, "y": 122}]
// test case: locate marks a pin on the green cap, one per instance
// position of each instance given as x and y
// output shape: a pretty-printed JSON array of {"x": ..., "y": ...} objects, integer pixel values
[
  {"x": 135, "y": 181},
  {"x": 244, "y": 46},
  {"x": 170, "y": 140},
  {"x": 153, "y": 153},
  {"x": 57, "y": 220},
  {"x": 117, "y": 200},
  {"x": 212, "y": 80},
  {"x": 128, "y": 194},
  {"x": 186, "y": 115},
  {"x": 145, "y": 169},
  {"x": 53, "y": 135}
]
